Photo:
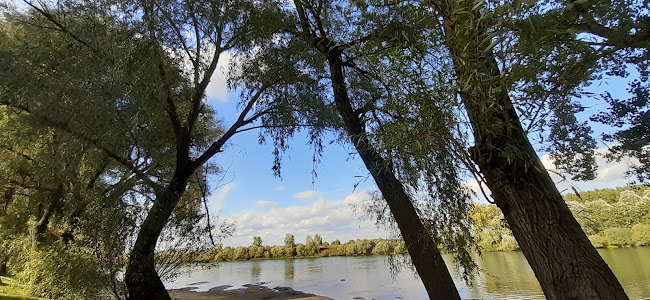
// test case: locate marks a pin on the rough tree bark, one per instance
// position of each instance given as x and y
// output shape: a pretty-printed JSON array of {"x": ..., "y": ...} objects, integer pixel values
[
  {"x": 142, "y": 280},
  {"x": 8, "y": 195},
  {"x": 3, "y": 266},
  {"x": 420, "y": 245},
  {"x": 141, "y": 277},
  {"x": 560, "y": 254},
  {"x": 40, "y": 229}
]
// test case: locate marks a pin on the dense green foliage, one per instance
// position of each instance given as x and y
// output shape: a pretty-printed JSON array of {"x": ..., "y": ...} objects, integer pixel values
[
  {"x": 609, "y": 217},
  {"x": 13, "y": 289},
  {"x": 84, "y": 148}
]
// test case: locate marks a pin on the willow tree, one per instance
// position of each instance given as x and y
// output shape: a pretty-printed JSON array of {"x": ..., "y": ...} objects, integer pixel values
[
  {"x": 352, "y": 49},
  {"x": 580, "y": 42},
  {"x": 55, "y": 178},
  {"x": 175, "y": 47},
  {"x": 560, "y": 254}
]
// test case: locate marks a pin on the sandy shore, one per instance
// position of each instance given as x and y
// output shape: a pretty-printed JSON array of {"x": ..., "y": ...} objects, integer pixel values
[{"x": 247, "y": 292}]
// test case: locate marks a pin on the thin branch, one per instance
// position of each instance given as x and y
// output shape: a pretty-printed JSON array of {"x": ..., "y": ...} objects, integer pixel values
[
  {"x": 61, "y": 27},
  {"x": 204, "y": 196},
  {"x": 199, "y": 90},
  {"x": 274, "y": 126},
  {"x": 27, "y": 186},
  {"x": 180, "y": 37},
  {"x": 258, "y": 115},
  {"x": 64, "y": 126},
  {"x": 217, "y": 145},
  {"x": 171, "y": 107}
]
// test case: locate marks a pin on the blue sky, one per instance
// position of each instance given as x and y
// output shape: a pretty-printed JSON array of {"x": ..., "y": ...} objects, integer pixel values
[{"x": 261, "y": 204}]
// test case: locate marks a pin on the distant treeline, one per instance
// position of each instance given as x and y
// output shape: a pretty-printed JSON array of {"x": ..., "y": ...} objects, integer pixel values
[
  {"x": 313, "y": 247},
  {"x": 609, "y": 217}
]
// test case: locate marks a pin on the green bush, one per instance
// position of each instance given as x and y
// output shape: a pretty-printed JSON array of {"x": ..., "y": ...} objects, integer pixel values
[
  {"x": 598, "y": 240},
  {"x": 641, "y": 234},
  {"x": 382, "y": 248},
  {"x": 619, "y": 236},
  {"x": 508, "y": 243},
  {"x": 61, "y": 272}
]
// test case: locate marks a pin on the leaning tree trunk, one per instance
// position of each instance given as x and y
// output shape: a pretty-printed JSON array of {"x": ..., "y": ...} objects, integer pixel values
[
  {"x": 142, "y": 280},
  {"x": 420, "y": 244},
  {"x": 40, "y": 229},
  {"x": 560, "y": 254},
  {"x": 3, "y": 266}
]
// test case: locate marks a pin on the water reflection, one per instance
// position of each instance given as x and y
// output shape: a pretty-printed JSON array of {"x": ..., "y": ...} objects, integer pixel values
[
  {"x": 314, "y": 268},
  {"x": 256, "y": 270},
  {"x": 632, "y": 268},
  {"x": 508, "y": 271},
  {"x": 289, "y": 269}
]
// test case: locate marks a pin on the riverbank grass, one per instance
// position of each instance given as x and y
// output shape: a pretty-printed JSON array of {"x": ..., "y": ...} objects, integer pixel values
[{"x": 11, "y": 289}]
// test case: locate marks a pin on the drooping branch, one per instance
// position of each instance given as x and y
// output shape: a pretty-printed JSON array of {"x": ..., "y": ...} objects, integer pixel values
[
  {"x": 94, "y": 142},
  {"x": 169, "y": 100},
  {"x": 275, "y": 126},
  {"x": 204, "y": 198},
  {"x": 62, "y": 28},
  {"x": 181, "y": 38}
]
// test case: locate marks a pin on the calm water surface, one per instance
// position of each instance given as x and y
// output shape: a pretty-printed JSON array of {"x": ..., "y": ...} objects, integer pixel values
[{"x": 505, "y": 275}]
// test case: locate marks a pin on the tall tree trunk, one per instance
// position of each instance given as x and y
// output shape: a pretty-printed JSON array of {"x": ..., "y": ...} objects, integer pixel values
[
  {"x": 560, "y": 254},
  {"x": 420, "y": 244},
  {"x": 40, "y": 229},
  {"x": 8, "y": 195},
  {"x": 3, "y": 266},
  {"x": 142, "y": 280}
]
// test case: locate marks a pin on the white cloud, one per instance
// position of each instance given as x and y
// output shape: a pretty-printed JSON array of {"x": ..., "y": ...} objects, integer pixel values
[
  {"x": 331, "y": 219},
  {"x": 218, "y": 199},
  {"x": 310, "y": 194},
  {"x": 279, "y": 189},
  {"x": 218, "y": 87},
  {"x": 355, "y": 198},
  {"x": 263, "y": 204}
]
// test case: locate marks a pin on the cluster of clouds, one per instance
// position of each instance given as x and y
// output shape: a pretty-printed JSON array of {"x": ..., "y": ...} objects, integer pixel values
[{"x": 331, "y": 219}]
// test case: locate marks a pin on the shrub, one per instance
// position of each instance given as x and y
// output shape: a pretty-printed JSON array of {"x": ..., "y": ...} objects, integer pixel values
[
  {"x": 382, "y": 248},
  {"x": 61, "y": 272},
  {"x": 508, "y": 243},
  {"x": 641, "y": 234},
  {"x": 618, "y": 236},
  {"x": 598, "y": 240},
  {"x": 241, "y": 253}
]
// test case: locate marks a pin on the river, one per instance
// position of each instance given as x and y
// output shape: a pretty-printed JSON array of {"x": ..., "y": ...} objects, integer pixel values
[{"x": 504, "y": 275}]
